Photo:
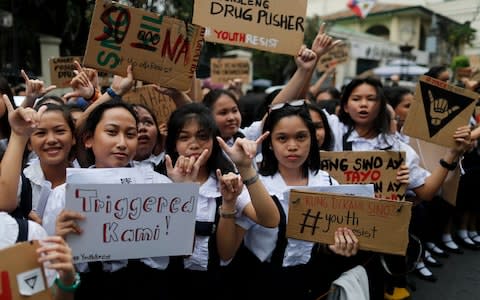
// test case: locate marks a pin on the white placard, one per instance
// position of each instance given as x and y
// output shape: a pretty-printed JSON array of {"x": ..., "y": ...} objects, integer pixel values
[{"x": 130, "y": 220}]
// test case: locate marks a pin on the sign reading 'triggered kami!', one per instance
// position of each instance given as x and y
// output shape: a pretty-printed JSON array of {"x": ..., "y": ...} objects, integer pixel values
[
  {"x": 270, "y": 25},
  {"x": 161, "y": 49},
  {"x": 132, "y": 220}
]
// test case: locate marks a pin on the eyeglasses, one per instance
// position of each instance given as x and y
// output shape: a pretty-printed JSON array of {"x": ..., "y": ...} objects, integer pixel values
[{"x": 296, "y": 103}]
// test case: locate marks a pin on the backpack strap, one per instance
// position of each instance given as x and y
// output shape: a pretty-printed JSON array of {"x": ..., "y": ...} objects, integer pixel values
[
  {"x": 22, "y": 229},
  {"x": 347, "y": 146},
  {"x": 25, "y": 205},
  {"x": 282, "y": 241},
  {"x": 213, "y": 256},
  {"x": 204, "y": 229}
]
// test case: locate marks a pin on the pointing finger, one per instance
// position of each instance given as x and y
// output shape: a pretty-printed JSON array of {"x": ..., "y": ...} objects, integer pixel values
[
  {"x": 322, "y": 28},
  {"x": 24, "y": 75},
  {"x": 8, "y": 104},
  {"x": 262, "y": 137}
]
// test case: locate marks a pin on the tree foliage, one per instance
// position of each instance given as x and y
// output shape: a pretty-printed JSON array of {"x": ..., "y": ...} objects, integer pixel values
[{"x": 70, "y": 20}]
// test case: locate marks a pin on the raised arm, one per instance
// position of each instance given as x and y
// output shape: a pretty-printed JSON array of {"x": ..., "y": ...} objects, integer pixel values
[
  {"x": 22, "y": 121},
  {"x": 450, "y": 162},
  {"x": 321, "y": 45},
  {"x": 34, "y": 89},
  {"x": 305, "y": 61}
]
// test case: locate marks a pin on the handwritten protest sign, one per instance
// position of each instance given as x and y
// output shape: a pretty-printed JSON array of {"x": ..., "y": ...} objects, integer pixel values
[
  {"x": 161, "y": 104},
  {"x": 438, "y": 110},
  {"x": 361, "y": 167},
  {"x": 222, "y": 70},
  {"x": 276, "y": 26},
  {"x": 380, "y": 225},
  {"x": 430, "y": 155},
  {"x": 132, "y": 221},
  {"x": 338, "y": 55},
  {"x": 61, "y": 70},
  {"x": 161, "y": 49},
  {"x": 21, "y": 275}
]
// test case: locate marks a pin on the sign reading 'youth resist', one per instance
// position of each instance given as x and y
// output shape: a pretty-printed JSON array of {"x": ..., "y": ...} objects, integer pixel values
[
  {"x": 270, "y": 25},
  {"x": 380, "y": 225},
  {"x": 161, "y": 49}
]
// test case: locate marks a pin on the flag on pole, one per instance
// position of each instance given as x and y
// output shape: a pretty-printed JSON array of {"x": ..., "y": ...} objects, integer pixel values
[{"x": 361, "y": 7}]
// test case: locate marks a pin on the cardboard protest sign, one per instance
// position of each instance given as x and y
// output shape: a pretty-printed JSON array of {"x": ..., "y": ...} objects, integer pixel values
[
  {"x": 438, "y": 110},
  {"x": 222, "y": 70},
  {"x": 61, "y": 70},
  {"x": 161, "y": 104},
  {"x": 126, "y": 221},
  {"x": 274, "y": 26},
  {"x": 380, "y": 225},
  {"x": 161, "y": 49},
  {"x": 361, "y": 167},
  {"x": 22, "y": 276},
  {"x": 338, "y": 55},
  {"x": 430, "y": 155}
]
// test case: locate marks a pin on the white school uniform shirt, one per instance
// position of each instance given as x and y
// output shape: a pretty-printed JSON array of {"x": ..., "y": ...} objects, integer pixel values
[
  {"x": 417, "y": 174},
  {"x": 262, "y": 241},
  {"x": 252, "y": 132},
  {"x": 152, "y": 161},
  {"x": 8, "y": 237},
  {"x": 160, "y": 262},
  {"x": 206, "y": 210},
  {"x": 47, "y": 202}
]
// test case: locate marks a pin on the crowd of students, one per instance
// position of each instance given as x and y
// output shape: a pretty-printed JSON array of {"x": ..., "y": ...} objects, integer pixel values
[{"x": 241, "y": 249}]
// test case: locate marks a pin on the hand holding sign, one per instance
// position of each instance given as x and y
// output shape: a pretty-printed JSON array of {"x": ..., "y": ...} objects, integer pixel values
[
  {"x": 23, "y": 121},
  {"x": 66, "y": 223},
  {"x": 463, "y": 140},
  {"x": 57, "y": 254},
  {"x": 346, "y": 243},
  {"x": 323, "y": 42},
  {"x": 403, "y": 174}
]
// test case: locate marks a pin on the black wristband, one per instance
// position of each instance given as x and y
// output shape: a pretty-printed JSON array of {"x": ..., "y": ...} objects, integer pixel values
[{"x": 448, "y": 166}]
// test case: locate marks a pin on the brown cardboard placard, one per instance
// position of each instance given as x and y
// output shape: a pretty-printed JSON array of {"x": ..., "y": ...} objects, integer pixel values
[
  {"x": 61, "y": 70},
  {"x": 161, "y": 104},
  {"x": 362, "y": 167},
  {"x": 161, "y": 49},
  {"x": 430, "y": 155},
  {"x": 338, "y": 55},
  {"x": 438, "y": 110},
  {"x": 223, "y": 70},
  {"x": 274, "y": 26},
  {"x": 380, "y": 225},
  {"x": 20, "y": 269}
]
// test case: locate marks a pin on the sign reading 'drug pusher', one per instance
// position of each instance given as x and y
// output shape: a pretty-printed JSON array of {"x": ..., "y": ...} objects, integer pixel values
[
  {"x": 161, "y": 49},
  {"x": 269, "y": 25}
]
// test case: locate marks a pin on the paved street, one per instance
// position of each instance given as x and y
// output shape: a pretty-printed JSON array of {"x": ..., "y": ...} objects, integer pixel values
[{"x": 458, "y": 279}]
